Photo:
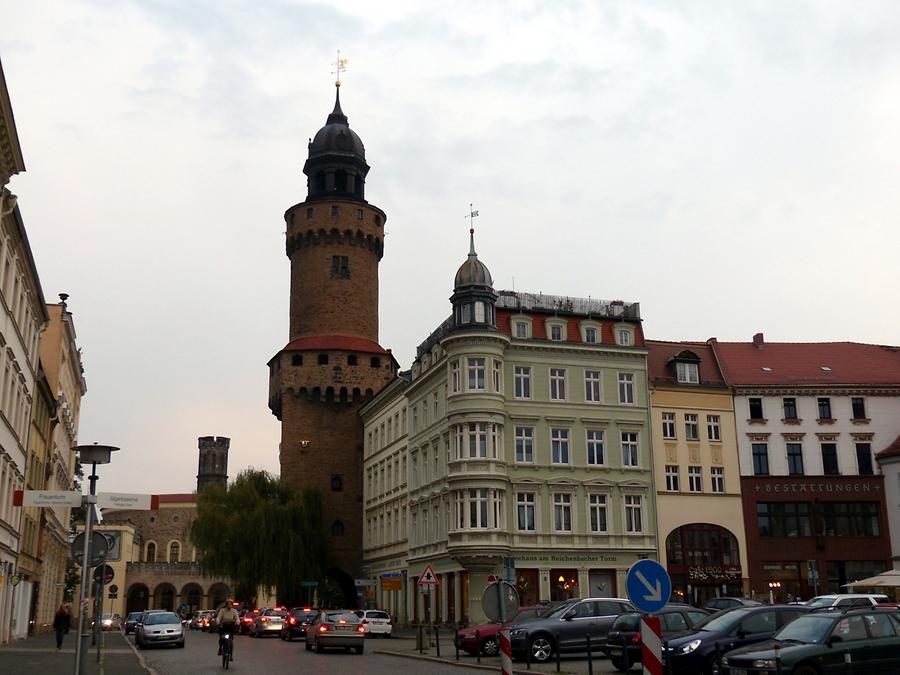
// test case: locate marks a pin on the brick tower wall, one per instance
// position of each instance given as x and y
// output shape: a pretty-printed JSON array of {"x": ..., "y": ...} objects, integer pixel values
[{"x": 324, "y": 302}]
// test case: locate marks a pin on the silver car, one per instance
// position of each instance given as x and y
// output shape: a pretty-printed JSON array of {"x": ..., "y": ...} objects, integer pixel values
[
  {"x": 338, "y": 628},
  {"x": 268, "y": 622},
  {"x": 160, "y": 628}
]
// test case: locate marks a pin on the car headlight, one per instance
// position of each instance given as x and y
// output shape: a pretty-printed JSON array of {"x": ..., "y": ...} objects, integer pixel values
[
  {"x": 724, "y": 661},
  {"x": 689, "y": 647},
  {"x": 517, "y": 632},
  {"x": 765, "y": 663}
]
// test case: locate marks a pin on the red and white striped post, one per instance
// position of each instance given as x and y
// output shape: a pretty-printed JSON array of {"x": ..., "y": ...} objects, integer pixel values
[
  {"x": 506, "y": 653},
  {"x": 651, "y": 645}
]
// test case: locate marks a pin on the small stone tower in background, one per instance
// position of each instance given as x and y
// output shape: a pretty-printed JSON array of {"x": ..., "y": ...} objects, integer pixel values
[{"x": 213, "y": 466}]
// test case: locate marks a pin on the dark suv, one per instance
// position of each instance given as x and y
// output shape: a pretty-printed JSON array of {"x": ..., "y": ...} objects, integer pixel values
[
  {"x": 566, "y": 628},
  {"x": 701, "y": 650},
  {"x": 297, "y": 621},
  {"x": 826, "y": 641},
  {"x": 623, "y": 642}
]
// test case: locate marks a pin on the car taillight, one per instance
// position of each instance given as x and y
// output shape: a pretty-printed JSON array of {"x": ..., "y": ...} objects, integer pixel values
[
  {"x": 323, "y": 628},
  {"x": 247, "y": 619},
  {"x": 636, "y": 639},
  {"x": 293, "y": 621},
  {"x": 264, "y": 619},
  {"x": 361, "y": 629}
]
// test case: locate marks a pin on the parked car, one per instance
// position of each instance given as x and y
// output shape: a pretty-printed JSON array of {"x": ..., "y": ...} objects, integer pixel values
[
  {"x": 336, "y": 628},
  {"x": 623, "y": 642},
  {"x": 196, "y": 621},
  {"x": 701, "y": 650},
  {"x": 247, "y": 617},
  {"x": 842, "y": 600},
  {"x": 565, "y": 628},
  {"x": 296, "y": 622},
  {"x": 822, "y": 642},
  {"x": 131, "y": 621},
  {"x": 160, "y": 628},
  {"x": 375, "y": 622},
  {"x": 268, "y": 622},
  {"x": 483, "y": 637},
  {"x": 716, "y": 604}
]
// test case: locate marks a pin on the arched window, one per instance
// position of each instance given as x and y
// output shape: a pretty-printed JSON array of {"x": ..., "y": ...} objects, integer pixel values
[
  {"x": 174, "y": 552},
  {"x": 151, "y": 552},
  {"x": 337, "y": 529},
  {"x": 337, "y": 483}
]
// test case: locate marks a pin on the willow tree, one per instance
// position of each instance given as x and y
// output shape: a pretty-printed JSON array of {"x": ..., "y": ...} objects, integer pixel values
[{"x": 261, "y": 532}]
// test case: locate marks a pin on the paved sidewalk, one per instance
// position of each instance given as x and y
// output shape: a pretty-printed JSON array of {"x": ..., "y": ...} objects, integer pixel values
[{"x": 39, "y": 655}]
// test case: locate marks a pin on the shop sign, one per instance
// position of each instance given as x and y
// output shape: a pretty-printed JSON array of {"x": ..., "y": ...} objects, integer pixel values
[
  {"x": 391, "y": 584},
  {"x": 798, "y": 487},
  {"x": 714, "y": 573},
  {"x": 563, "y": 558}
]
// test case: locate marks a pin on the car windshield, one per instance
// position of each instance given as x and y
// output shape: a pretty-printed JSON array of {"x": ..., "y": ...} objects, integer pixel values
[
  {"x": 161, "y": 618},
  {"x": 556, "y": 611},
  {"x": 134, "y": 615},
  {"x": 724, "y": 620},
  {"x": 821, "y": 601},
  {"x": 274, "y": 612},
  {"x": 377, "y": 615},
  {"x": 338, "y": 617},
  {"x": 528, "y": 614},
  {"x": 810, "y": 629}
]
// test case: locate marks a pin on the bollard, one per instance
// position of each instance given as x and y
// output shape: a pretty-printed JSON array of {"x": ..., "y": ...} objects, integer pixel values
[
  {"x": 505, "y": 652},
  {"x": 437, "y": 642},
  {"x": 587, "y": 636},
  {"x": 557, "y": 652},
  {"x": 478, "y": 645},
  {"x": 848, "y": 662},
  {"x": 667, "y": 662},
  {"x": 456, "y": 644},
  {"x": 778, "y": 670},
  {"x": 527, "y": 655}
]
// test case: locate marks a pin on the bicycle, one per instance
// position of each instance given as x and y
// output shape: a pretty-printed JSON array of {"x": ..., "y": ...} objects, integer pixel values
[{"x": 227, "y": 648}]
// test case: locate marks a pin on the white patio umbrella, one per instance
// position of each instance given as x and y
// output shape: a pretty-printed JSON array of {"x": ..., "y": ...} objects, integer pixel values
[{"x": 890, "y": 578}]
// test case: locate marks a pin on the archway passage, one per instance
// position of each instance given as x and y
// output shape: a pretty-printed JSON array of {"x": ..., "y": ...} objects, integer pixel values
[
  {"x": 218, "y": 594},
  {"x": 191, "y": 597},
  {"x": 164, "y": 597},
  {"x": 137, "y": 599},
  {"x": 346, "y": 586},
  {"x": 704, "y": 562}
]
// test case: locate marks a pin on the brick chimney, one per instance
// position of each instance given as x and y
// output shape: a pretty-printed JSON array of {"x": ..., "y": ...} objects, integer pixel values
[{"x": 758, "y": 341}]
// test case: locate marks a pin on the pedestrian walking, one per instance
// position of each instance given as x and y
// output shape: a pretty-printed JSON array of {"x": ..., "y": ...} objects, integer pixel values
[{"x": 61, "y": 623}]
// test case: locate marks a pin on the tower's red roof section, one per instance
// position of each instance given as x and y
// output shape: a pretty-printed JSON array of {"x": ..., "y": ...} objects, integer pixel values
[
  {"x": 347, "y": 343},
  {"x": 808, "y": 363}
]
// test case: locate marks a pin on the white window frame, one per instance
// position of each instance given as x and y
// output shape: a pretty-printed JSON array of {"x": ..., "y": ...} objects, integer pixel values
[
  {"x": 597, "y": 505},
  {"x": 687, "y": 373},
  {"x": 521, "y": 329},
  {"x": 556, "y": 332},
  {"x": 476, "y": 440},
  {"x": 673, "y": 478},
  {"x": 717, "y": 479},
  {"x": 626, "y": 388},
  {"x": 497, "y": 375},
  {"x": 633, "y": 504},
  {"x": 476, "y": 373},
  {"x": 525, "y": 435},
  {"x": 526, "y": 504},
  {"x": 557, "y": 384},
  {"x": 692, "y": 427},
  {"x": 588, "y": 330},
  {"x": 624, "y": 337},
  {"x": 560, "y": 449},
  {"x": 714, "y": 428},
  {"x": 455, "y": 382},
  {"x": 631, "y": 446},
  {"x": 522, "y": 382},
  {"x": 594, "y": 441},
  {"x": 669, "y": 427},
  {"x": 593, "y": 386},
  {"x": 562, "y": 513},
  {"x": 695, "y": 478}
]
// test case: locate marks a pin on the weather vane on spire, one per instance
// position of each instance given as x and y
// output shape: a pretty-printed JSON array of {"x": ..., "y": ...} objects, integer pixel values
[
  {"x": 473, "y": 214},
  {"x": 339, "y": 67}
]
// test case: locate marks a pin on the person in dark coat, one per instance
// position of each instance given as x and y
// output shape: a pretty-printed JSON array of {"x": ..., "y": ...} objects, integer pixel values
[{"x": 61, "y": 623}]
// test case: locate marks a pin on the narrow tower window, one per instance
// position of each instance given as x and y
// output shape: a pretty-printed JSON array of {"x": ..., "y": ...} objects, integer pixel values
[
  {"x": 296, "y": 359},
  {"x": 340, "y": 267},
  {"x": 323, "y": 359}
]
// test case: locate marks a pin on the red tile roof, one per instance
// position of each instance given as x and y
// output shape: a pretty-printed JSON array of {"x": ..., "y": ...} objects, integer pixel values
[
  {"x": 808, "y": 363},
  {"x": 347, "y": 343},
  {"x": 662, "y": 372},
  {"x": 893, "y": 450}
]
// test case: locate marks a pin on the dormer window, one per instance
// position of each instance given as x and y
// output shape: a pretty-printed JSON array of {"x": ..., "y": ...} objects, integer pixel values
[
  {"x": 556, "y": 333},
  {"x": 688, "y": 373},
  {"x": 556, "y": 330},
  {"x": 590, "y": 336},
  {"x": 625, "y": 337},
  {"x": 521, "y": 329}
]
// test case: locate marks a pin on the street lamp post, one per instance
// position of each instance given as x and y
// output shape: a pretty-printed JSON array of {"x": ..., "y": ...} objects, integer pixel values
[
  {"x": 93, "y": 455},
  {"x": 773, "y": 586}
]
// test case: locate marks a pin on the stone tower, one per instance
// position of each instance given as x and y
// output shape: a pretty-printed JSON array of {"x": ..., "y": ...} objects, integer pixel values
[
  {"x": 332, "y": 363},
  {"x": 213, "y": 465}
]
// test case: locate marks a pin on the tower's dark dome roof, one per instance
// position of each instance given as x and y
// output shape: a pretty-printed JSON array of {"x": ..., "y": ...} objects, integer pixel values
[
  {"x": 336, "y": 137},
  {"x": 472, "y": 272}
]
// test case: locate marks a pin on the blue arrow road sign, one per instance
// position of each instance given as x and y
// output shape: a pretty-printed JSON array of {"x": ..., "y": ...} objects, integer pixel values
[{"x": 648, "y": 585}]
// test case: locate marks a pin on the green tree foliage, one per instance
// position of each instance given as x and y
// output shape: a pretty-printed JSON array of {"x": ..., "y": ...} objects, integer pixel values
[{"x": 261, "y": 532}]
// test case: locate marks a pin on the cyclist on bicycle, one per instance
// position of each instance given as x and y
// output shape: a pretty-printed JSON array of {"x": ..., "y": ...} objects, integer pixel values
[{"x": 227, "y": 620}]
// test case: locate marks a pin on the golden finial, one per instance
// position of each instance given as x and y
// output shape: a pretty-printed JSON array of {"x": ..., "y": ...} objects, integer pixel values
[{"x": 339, "y": 66}]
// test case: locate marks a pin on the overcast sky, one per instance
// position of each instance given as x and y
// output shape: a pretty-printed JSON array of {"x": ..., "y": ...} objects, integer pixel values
[{"x": 732, "y": 166}]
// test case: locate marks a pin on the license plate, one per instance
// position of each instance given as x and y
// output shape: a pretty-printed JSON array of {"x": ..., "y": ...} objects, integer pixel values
[
  {"x": 614, "y": 651},
  {"x": 738, "y": 671},
  {"x": 349, "y": 628}
]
